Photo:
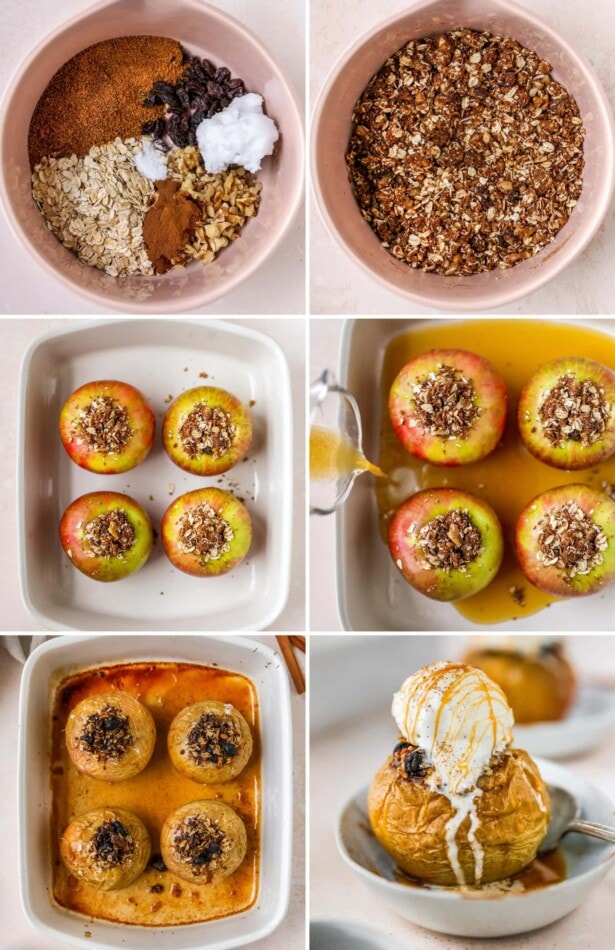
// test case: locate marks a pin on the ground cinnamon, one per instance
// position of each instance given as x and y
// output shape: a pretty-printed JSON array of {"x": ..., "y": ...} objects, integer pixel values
[
  {"x": 98, "y": 95},
  {"x": 169, "y": 224}
]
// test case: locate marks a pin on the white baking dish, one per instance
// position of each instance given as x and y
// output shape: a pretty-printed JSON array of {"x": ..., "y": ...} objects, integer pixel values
[
  {"x": 371, "y": 593},
  {"x": 161, "y": 358},
  {"x": 69, "y": 653}
]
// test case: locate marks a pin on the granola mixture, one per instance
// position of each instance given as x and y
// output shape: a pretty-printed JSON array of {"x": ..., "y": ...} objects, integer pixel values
[
  {"x": 576, "y": 410},
  {"x": 104, "y": 425},
  {"x": 444, "y": 404},
  {"x": 449, "y": 542},
  {"x": 207, "y": 430},
  {"x": 213, "y": 739},
  {"x": 465, "y": 155},
  {"x": 107, "y": 734},
  {"x": 110, "y": 534},
  {"x": 201, "y": 843},
  {"x": 570, "y": 540},
  {"x": 202, "y": 531},
  {"x": 111, "y": 845}
]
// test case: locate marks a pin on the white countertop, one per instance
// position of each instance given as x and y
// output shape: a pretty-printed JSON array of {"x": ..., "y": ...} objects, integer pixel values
[
  {"x": 15, "y": 336},
  {"x": 17, "y": 932},
  {"x": 277, "y": 286},
  {"x": 338, "y": 285},
  {"x": 343, "y": 758}
]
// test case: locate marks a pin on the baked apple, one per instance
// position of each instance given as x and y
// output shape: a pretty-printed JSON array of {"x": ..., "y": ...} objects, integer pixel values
[
  {"x": 106, "y": 535},
  {"x": 206, "y": 431},
  {"x": 534, "y": 673},
  {"x": 107, "y": 849},
  {"x": 206, "y": 532},
  {"x": 454, "y": 804},
  {"x": 567, "y": 413},
  {"x": 110, "y": 736},
  {"x": 107, "y": 427},
  {"x": 446, "y": 543},
  {"x": 448, "y": 407},
  {"x": 565, "y": 541},
  {"x": 210, "y": 742},
  {"x": 203, "y": 842}
]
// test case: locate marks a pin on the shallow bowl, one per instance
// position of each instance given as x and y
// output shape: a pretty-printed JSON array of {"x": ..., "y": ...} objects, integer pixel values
[
  {"x": 331, "y": 130},
  {"x": 451, "y": 910},
  {"x": 207, "y": 32}
]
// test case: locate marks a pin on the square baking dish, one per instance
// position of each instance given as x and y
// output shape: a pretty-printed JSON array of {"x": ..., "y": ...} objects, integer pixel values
[
  {"x": 68, "y": 654},
  {"x": 371, "y": 593},
  {"x": 161, "y": 358}
]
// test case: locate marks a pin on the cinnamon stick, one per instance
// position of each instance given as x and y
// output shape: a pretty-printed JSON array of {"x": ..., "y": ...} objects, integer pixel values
[
  {"x": 290, "y": 659},
  {"x": 298, "y": 642}
]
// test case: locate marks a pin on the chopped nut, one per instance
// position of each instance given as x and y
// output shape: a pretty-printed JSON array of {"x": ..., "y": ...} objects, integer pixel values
[
  {"x": 104, "y": 425},
  {"x": 450, "y": 542},
  {"x": 109, "y": 535},
  {"x": 575, "y": 410},
  {"x": 207, "y": 430},
  {"x": 204, "y": 533},
  {"x": 444, "y": 403},
  {"x": 570, "y": 540},
  {"x": 213, "y": 739}
]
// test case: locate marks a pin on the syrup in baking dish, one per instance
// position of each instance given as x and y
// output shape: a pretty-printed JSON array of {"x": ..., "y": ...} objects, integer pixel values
[
  {"x": 331, "y": 454},
  {"x": 165, "y": 688},
  {"x": 510, "y": 476}
]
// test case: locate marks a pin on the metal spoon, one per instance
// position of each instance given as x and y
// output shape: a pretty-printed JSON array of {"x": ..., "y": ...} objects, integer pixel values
[{"x": 565, "y": 817}]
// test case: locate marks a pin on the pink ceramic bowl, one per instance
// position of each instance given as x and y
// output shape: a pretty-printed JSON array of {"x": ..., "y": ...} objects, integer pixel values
[
  {"x": 206, "y": 31},
  {"x": 331, "y": 130}
]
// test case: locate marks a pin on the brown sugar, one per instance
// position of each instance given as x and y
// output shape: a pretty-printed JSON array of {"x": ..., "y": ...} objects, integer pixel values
[
  {"x": 169, "y": 224},
  {"x": 98, "y": 95}
]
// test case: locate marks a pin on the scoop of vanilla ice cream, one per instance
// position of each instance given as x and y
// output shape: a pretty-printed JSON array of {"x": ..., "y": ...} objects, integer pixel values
[{"x": 458, "y": 717}]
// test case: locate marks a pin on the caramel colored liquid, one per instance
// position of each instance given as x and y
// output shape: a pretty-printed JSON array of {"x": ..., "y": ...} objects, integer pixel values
[
  {"x": 165, "y": 689},
  {"x": 510, "y": 476},
  {"x": 549, "y": 868},
  {"x": 331, "y": 454}
]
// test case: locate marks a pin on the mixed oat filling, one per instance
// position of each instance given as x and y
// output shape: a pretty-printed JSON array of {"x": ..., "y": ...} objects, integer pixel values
[
  {"x": 207, "y": 430},
  {"x": 107, "y": 735},
  {"x": 111, "y": 845},
  {"x": 104, "y": 425},
  {"x": 203, "y": 532},
  {"x": 213, "y": 740},
  {"x": 445, "y": 404},
  {"x": 575, "y": 410},
  {"x": 200, "y": 842},
  {"x": 408, "y": 760},
  {"x": 449, "y": 542},
  {"x": 465, "y": 154},
  {"x": 110, "y": 534},
  {"x": 570, "y": 540}
]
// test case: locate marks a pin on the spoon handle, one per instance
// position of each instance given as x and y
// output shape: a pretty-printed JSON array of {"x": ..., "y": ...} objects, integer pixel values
[{"x": 593, "y": 828}]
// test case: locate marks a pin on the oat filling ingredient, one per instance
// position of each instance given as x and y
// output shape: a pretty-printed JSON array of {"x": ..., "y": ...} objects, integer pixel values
[
  {"x": 104, "y": 425},
  {"x": 200, "y": 842},
  {"x": 203, "y": 532},
  {"x": 450, "y": 542},
  {"x": 213, "y": 739},
  {"x": 207, "y": 430},
  {"x": 169, "y": 225},
  {"x": 465, "y": 155},
  {"x": 150, "y": 161},
  {"x": 239, "y": 135},
  {"x": 111, "y": 845},
  {"x": 570, "y": 540},
  {"x": 444, "y": 404},
  {"x": 576, "y": 410},
  {"x": 107, "y": 734},
  {"x": 110, "y": 534}
]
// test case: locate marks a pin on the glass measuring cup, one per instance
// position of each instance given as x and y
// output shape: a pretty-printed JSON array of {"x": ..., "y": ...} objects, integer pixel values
[{"x": 334, "y": 416}]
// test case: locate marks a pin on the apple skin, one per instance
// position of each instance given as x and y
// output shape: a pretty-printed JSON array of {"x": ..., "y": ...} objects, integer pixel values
[
  {"x": 182, "y": 407},
  {"x": 571, "y": 456},
  {"x": 490, "y": 397},
  {"x": 83, "y": 510},
  {"x": 230, "y": 509},
  {"x": 600, "y": 507},
  {"x": 141, "y": 419},
  {"x": 439, "y": 584}
]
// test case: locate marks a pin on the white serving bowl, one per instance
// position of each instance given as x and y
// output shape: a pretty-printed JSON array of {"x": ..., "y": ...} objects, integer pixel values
[
  {"x": 451, "y": 911},
  {"x": 70, "y": 653}
]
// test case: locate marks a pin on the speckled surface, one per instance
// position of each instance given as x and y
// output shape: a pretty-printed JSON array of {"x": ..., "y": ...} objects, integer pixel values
[
  {"x": 278, "y": 286},
  {"x": 338, "y": 285},
  {"x": 19, "y": 934}
]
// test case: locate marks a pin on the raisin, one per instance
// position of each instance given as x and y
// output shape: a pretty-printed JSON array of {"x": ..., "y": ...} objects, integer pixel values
[{"x": 413, "y": 763}]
